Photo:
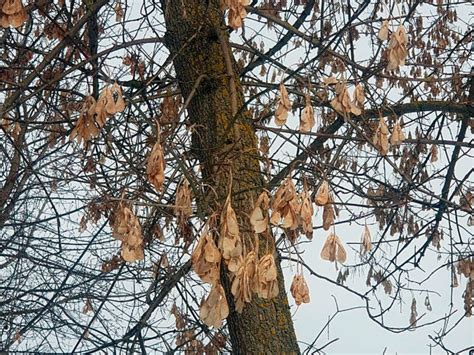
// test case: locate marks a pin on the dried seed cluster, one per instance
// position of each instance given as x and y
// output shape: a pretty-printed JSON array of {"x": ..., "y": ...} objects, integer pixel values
[
  {"x": 12, "y": 13},
  {"x": 236, "y": 13},
  {"x": 126, "y": 228},
  {"x": 284, "y": 106},
  {"x": 94, "y": 113}
]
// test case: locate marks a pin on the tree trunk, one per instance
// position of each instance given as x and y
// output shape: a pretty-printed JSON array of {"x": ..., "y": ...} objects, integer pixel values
[{"x": 205, "y": 68}]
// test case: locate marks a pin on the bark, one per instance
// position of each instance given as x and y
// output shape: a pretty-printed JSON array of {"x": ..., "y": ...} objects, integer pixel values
[{"x": 205, "y": 68}]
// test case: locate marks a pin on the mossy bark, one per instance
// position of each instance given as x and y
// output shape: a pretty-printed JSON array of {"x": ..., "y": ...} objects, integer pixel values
[{"x": 205, "y": 68}]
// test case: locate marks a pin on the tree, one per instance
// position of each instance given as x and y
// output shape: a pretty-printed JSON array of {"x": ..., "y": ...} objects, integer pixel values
[{"x": 187, "y": 131}]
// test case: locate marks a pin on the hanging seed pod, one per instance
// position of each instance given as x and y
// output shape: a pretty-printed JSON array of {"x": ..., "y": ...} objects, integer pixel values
[
  {"x": 434, "y": 153},
  {"x": 266, "y": 283},
  {"x": 206, "y": 258},
  {"x": 12, "y": 14},
  {"x": 126, "y": 228},
  {"x": 383, "y": 32},
  {"x": 155, "y": 168},
  {"x": 307, "y": 116},
  {"x": 342, "y": 102},
  {"x": 259, "y": 215},
  {"x": 242, "y": 285},
  {"x": 183, "y": 202},
  {"x": 333, "y": 249},
  {"x": 397, "y": 135},
  {"x": 236, "y": 13},
  {"x": 397, "y": 49},
  {"x": 306, "y": 213},
  {"x": 230, "y": 243},
  {"x": 413, "y": 313},
  {"x": 85, "y": 128},
  {"x": 366, "y": 244},
  {"x": 214, "y": 309},
  {"x": 328, "y": 213},
  {"x": 380, "y": 139},
  {"x": 322, "y": 195},
  {"x": 359, "y": 97},
  {"x": 285, "y": 206},
  {"x": 284, "y": 106},
  {"x": 299, "y": 289}
]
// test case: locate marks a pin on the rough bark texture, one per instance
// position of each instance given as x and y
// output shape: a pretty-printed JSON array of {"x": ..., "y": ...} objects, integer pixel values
[{"x": 205, "y": 68}]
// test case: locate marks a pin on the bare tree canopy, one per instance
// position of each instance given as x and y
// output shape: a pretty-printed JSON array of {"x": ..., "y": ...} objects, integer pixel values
[{"x": 165, "y": 164}]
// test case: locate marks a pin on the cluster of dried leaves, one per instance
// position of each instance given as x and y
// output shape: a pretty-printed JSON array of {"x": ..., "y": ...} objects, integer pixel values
[
  {"x": 94, "y": 113},
  {"x": 299, "y": 289},
  {"x": 325, "y": 199},
  {"x": 381, "y": 139},
  {"x": 284, "y": 106},
  {"x": 12, "y": 13},
  {"x": 247, "y": 272},
  {"x": 342, "y": 102},
  {"x": 126, "y": 228},
  {"x": 397, "y": 47},
  {"x": 307, "y": 120},
  {"x": 155, "y": 169},
  {"x": 236, "y": 13},
  {"x": 466, "y": 268}
]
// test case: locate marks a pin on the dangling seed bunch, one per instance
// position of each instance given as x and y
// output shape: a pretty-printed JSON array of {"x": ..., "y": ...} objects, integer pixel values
[
  {"x": 155, "y": 168},
  {"x": 324, "y": 198},
  {"x": 342, "y": 102},
  {"x": 397, "y": 49},
  {"x": 299, "y": 289},
  {"x": 94, "y": 114},
  {"x": 259, "y": 216},
  {"x": 366, "y": 243},
  {"x": 126, "y": 228},
  {"x": 86, "y": 127},
  {"x": 284, "y": 106},
  {"x": 13, "y": 14},
  {"x": 380, "y": 139},
  {"x": 307, "y": 116},
  {"x": 236, "y": 13},
  {"x": 397, "y": 135},
  {"x": 333, "y": 249},
  {"x": 183, "y": 202}
]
